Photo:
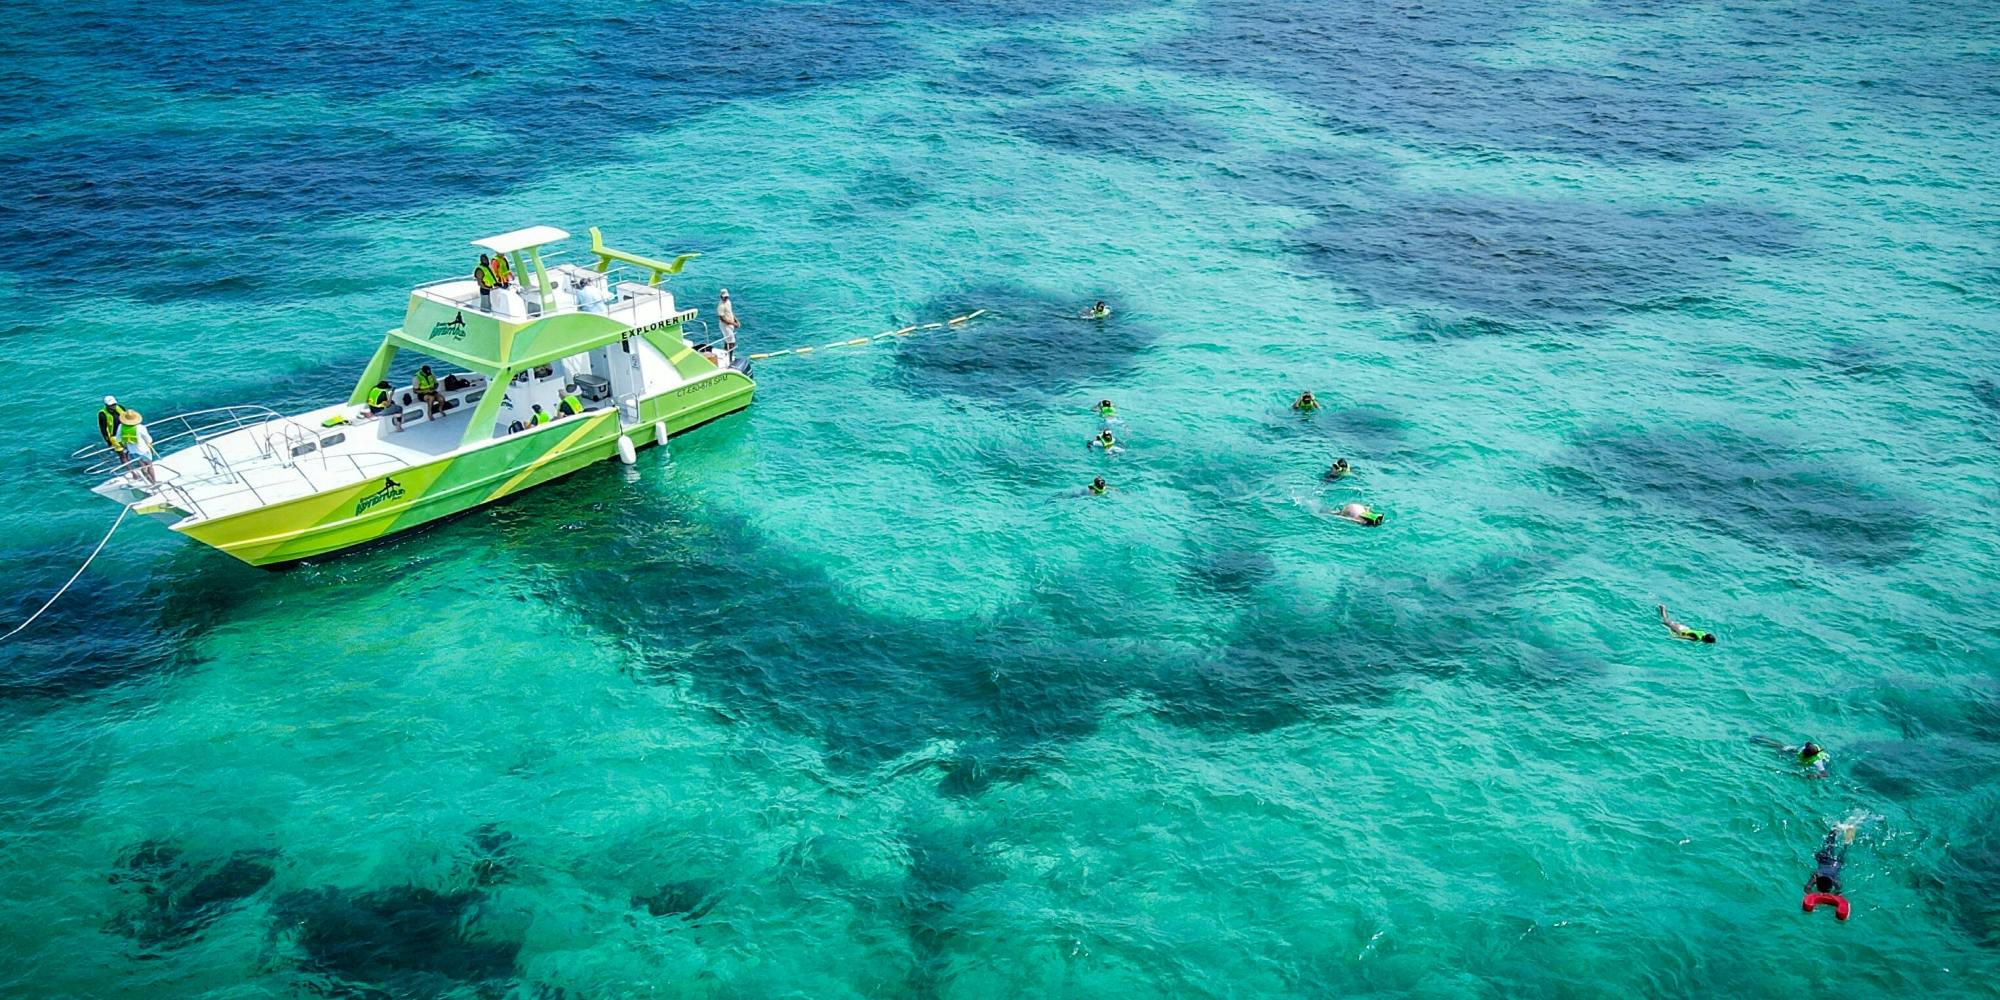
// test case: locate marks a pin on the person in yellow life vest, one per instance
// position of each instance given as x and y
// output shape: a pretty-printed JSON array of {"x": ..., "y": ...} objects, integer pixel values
[
  {"x": 107, "y": 422},
  {"x": 426, "y": 386},
  {"x": 502, "y": 276},
  {"x": 1682, "y": 631},
  {"x": 136, "y": 443},
  {"x": 487, "y": 280},
  {"x": 1305, "y": 403},
  {"x": 571, "y": 404},
  {"x": 541, "y": 417},
  {"x": 380, "y": 399}
]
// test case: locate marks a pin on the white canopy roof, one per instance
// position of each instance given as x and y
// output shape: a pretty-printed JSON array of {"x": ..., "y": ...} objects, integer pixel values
[{"x": 521, "y": 239}]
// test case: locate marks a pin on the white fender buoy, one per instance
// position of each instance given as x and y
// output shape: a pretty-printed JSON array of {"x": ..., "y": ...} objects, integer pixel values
[
  {"x": 660, "y": 432},
  {"x": 627, "y": 453}
]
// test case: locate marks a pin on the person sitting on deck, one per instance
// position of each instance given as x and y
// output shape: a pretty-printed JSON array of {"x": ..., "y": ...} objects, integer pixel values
[
  {"x": 589, "y": 297},
  {"x": 541, "y": 417},
  {"x": 379, "y": 402},
  {"x": 426, "y": 386},
  {"x": 483, "y": 274},
  {"x": 571, "y": 404}
]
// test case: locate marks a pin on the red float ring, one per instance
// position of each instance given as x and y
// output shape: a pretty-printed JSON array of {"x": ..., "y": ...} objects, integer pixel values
[{"x": 1815, "y": 898}]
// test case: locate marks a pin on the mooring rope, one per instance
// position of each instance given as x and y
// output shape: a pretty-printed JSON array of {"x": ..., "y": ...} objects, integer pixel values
[
  {"x": 952, "y": 323},
  {"x": 72, "y": 577}
]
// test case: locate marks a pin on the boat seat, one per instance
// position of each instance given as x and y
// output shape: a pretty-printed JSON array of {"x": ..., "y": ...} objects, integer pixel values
[{"x": 507, "y": 304}]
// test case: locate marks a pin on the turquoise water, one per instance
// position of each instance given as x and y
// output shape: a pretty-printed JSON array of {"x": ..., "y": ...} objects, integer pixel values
[{"x": 850, "y": 694}]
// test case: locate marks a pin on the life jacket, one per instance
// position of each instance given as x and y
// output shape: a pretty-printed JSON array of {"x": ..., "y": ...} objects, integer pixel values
[
  {"x": 1098, "y": 490},
  {"x": 426, "y": 383},
  {"x": 1107, "y": 411},
  {"x": 541, "y": 417},
  {"x": 1106, "y": 441},
  {"x": 128, "y": 433},
  {"x": 107, "y": 421},
  {"x": 571, "y": 405},
  {"x": 378, "y": 397},
  {"x": 484, "y": 275},
  {"x": 1814, "y": 759},
  {"x": 501, "y": 275}
]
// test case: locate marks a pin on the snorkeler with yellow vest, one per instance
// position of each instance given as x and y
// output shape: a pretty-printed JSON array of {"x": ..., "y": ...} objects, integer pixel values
[{"x": 1682, "y": 631}]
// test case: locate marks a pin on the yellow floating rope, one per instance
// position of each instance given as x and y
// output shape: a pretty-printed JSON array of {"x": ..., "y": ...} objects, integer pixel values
[{"x": 858, "y": 341}]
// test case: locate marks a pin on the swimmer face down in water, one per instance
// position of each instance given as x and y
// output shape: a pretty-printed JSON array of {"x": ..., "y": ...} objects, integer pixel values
[
  {"x": 1106, "y": 441},
  {"x": 1360, "y": 514},
  {"x": 1682, "y": 631}
]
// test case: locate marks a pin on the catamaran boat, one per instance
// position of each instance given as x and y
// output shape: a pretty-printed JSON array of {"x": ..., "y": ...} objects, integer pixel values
[{"x": 271, "y": 488}]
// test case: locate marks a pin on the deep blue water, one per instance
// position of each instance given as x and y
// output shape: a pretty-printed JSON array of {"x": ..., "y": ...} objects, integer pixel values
[{"x": 1611, "y": 305}]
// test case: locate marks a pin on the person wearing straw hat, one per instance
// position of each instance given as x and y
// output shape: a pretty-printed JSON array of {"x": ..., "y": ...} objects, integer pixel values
[{"x": 135, "y": 442}]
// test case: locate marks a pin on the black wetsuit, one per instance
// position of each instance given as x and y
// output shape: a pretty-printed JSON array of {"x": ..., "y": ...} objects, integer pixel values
[{"x": 1831, "y": 856}]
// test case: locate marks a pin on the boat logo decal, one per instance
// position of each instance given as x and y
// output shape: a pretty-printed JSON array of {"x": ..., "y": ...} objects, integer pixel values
[
  {"x": 454, "y": 329},
  {"x": 391, "y": 490}
]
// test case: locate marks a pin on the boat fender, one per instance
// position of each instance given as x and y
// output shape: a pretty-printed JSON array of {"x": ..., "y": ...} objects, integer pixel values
[
  {"x": 660, "y": 432},
  {"x": 1815, "y": 898},
  {"x": 627, "y": 453}
]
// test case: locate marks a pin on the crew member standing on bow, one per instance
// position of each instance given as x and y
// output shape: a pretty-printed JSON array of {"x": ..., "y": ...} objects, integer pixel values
[
  {"x": 725, "y": 316},
  {"x": 107, "y": 422}
]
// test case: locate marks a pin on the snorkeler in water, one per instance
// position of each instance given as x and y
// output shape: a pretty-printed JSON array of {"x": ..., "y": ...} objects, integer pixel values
[
  {"x": 1098, "y": 311},
  {"x": 1106, "y": 411},
  {"x": 1338, "y": 470},
  {"x": 1811, "y": 755},
  {"x": 1305, "y": 403},
  {"x": 1362, "y": 514},
  {"x": 1098, "y": 487},
  {"x": 1106, "y": 441},
  {"x": 1682, "y": 631},
  {"x": 1823, "y": 885}
]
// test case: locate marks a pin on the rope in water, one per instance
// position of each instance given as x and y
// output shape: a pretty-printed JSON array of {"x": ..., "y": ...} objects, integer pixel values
[
  {"x": 72, "y": 577},
  {"x": 952, "y": 323}
]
